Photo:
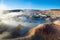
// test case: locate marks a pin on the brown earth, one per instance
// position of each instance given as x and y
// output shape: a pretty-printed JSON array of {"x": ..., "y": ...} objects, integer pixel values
[
  {"x": 46, "y": 31},
  {"x": 57, "y": 22},
  {"x": 52, "y": 11}
]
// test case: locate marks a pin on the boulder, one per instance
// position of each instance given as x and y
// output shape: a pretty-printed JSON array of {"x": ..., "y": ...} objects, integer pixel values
[{"x": 53, "y": 17}]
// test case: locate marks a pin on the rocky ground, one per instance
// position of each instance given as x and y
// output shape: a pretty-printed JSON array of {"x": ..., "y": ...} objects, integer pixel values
[{"x": 30, "y": 25}]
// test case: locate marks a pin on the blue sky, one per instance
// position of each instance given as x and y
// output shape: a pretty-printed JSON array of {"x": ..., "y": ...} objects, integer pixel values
[{"x": 32, "y": 4}]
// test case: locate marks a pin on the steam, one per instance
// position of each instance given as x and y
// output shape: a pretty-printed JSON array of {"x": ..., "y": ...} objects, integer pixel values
[
  {"x": 7, "y": 23},
  {"x": 8, "y": 18}
]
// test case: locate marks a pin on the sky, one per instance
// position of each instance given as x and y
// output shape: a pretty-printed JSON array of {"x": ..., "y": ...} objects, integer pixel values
[{"x": 31, "y": 4}]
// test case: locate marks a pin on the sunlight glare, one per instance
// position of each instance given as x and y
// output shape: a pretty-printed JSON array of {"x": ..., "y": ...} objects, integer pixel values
[{"x": 3, "y": 7}]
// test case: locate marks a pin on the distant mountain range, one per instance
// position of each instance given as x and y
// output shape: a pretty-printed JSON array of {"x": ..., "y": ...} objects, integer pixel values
[
  {"x": 17, "y": 10},
  {"x": 56, "y": 9},
  {"x": 51, "y": 11}
]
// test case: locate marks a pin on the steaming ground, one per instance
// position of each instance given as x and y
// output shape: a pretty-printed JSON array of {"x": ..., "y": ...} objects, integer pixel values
[{"x": 10, "y": 21}]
